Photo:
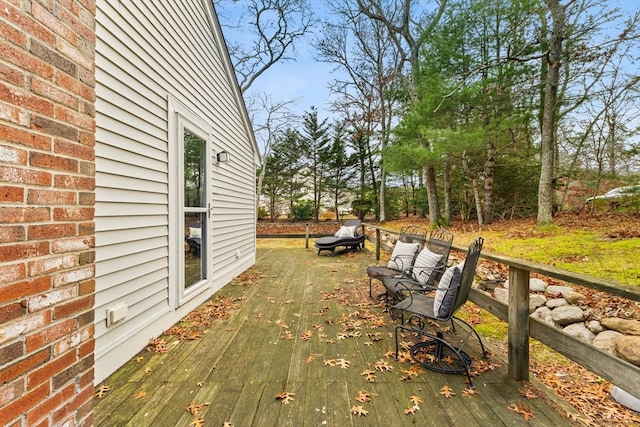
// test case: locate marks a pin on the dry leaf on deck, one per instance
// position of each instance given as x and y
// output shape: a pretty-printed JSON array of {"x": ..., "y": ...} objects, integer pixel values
[
  {"x": 197, "y": 422},
  {"x": 140, "y": 395},
  {"x": 102, "y": 390},
  {"x": 363, "y": 396},
  {"x": 359, "y": 411},
  {"x": 285, "y": 397},
  {"x": 446, "y": 391}
]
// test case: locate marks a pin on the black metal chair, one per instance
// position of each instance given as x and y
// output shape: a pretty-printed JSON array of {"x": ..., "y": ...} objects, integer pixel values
[
  {"x": 399, "y": 262},
  {"x": 428, "y": 268},
  {"x": 434, "y": 351}
]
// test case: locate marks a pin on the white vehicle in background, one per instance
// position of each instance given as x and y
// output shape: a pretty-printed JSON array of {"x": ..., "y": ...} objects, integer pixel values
[{"x": 617, "y": 195}]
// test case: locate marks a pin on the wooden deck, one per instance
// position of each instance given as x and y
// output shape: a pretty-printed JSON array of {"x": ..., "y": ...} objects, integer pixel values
[{"x": 302, "y": 324}]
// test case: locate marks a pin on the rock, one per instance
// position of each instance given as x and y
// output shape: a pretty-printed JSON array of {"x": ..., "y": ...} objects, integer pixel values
[
  {"x": 535, "y": 285},
  {"x": 568, "y": 314},
  {"x": 535, "y": 301},
  {"x": 502, "y": 295},
  {"x": 544, "y": 315},
  {"x": 489, "y": 285},
  {"x": 557, "y": 290},
  {"x": 556, "y": 302},
  {"x": 573, "y": 297},
  {"x": 628, "y": 347},
  {"x": 624, "y": 326},
  {"x": 606, "y": 341},
  {"x": 625, "y": 399},
  {"x": 580, "y": 332},
  {"x": 595, "y": 326}
]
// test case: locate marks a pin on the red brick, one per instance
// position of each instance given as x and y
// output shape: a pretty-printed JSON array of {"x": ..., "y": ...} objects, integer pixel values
[
  {"x": 24, "y": 137},
  {"x": 83, "y": 401},
  {"x": 13, "y": 35},
  {"x": 54, "y": 23},
  {"x": 24, "y": 176},
  {"x": 75, "y": 182},
  {"x": 11, "y": 194},
  {"x": 24, "y": 60},
  {"x": 74, "y": 307},
  {"x": 73, "y": 214},
  {"x": 24, "y": 250},
  {"x": 86, "y": 228},
  {"x": 87, "y": 139},
  {"x": 48, "y": 161},
  {"x": 52, "y": 333},
  {"x": 20, "y": 290},
  {"x": 52, "y": 368},
  {"x": 24, "y": 325},
  {"x": 51, "y": 231},
  {"x": 20, "y": 367},
  {"x": 64, "y": 405},
  {"x": 12, "y": 234},
  {"x": 26, "y": 100},
  {"x": 11, "y": 75},
  {"x": 74, "y": 150},
  {"x": 73, "y": 245},
  {"x": 26, "y": 23},
  {"x": 23, "y": 404},
  {"x": 54, "y": 93},
  {"x": 21, "y": 215},
  {"x": 12, "y": 272},
  {"x": 88, "y": 347},
  {"x": 83, "y": 121},
  {"x": 73, "y": 85},
  {"x": 12, "y": 311},
  {"x": 51, "y": 197},
  {"x": 72, "y": 372},
  {"x": 87, "y": 287}
]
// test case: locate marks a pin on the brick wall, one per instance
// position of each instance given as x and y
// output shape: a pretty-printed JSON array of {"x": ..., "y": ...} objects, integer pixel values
[{"x": 47, "y": 168}]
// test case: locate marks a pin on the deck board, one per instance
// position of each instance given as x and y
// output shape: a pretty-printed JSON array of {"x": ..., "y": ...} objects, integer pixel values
[{"x": 302, "y": 313}]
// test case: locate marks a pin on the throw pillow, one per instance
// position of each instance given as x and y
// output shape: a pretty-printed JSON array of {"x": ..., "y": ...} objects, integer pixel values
[
  {"x": 447, "y": 291},
  {"x": 403, "y": 255},
  {"x": 424, "y": 266},
  {"x": 194, "y": 232},
  {"x": 346, "y": 231}
]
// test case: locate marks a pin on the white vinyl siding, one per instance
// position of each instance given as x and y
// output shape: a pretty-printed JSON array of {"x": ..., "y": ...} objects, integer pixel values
[{"x": 146, "y": 53}]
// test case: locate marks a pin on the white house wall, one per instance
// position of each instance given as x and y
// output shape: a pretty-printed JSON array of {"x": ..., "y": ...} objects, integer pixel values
[{"x": 147, "y": 53}]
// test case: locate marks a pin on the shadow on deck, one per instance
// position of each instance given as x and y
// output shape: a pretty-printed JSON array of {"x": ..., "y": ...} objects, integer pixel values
[{"x": 302, "y": 324}]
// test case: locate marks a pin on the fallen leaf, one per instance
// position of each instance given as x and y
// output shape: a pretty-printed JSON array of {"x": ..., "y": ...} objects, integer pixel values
[
  {"x": 140, "y": 395},
  {"x": 199, "y": 384},
  {"x": 102, "y": 390},
  {"x": 359, "y": 411},
  {"x": 363, "y": 396},
  {"x": 139, "y": 359},
  {"x": 446, "y": 391},
  {"x": 227, "y": 424},
  {"x": 416, "y": 400},
  {"x": 411, "y": 411},
  {"x": 309, "y": 359},
  {"x": 467, "y": 392},
  {"x": 528, "y": 393},
  {"x": 369, "y": 376},
  {"x": 197, "y": 422},
  {"x": 521, "y": 409},
  {"x": 285, "y": 397}
]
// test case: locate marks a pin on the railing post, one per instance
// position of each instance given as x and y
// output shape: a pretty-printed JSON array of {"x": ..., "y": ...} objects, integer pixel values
[
  {"x": 518, "y": 317},
  {"x": 306, "y": 236},
  {"x": 377, "y": 244}
]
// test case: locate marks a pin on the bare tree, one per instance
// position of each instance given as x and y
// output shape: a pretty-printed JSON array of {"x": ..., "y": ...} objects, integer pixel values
[
  {"x": 276, "y": 118},
  {"x": 360, "y": 47},
  {"x": 266, "y": 33}
]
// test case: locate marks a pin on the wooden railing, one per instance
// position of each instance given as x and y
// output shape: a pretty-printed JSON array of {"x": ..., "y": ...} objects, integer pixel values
[{"x": 521, "y": 326}]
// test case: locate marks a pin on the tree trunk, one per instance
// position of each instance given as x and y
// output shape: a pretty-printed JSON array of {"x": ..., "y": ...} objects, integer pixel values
[{"x": 547, "y": 136}]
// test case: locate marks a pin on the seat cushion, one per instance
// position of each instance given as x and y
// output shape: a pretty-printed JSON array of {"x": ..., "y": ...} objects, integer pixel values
[
  {"x": 446, "y": 291},
  {"x": 425, "y": 264},
  {"x": 403, "y": 255}
]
